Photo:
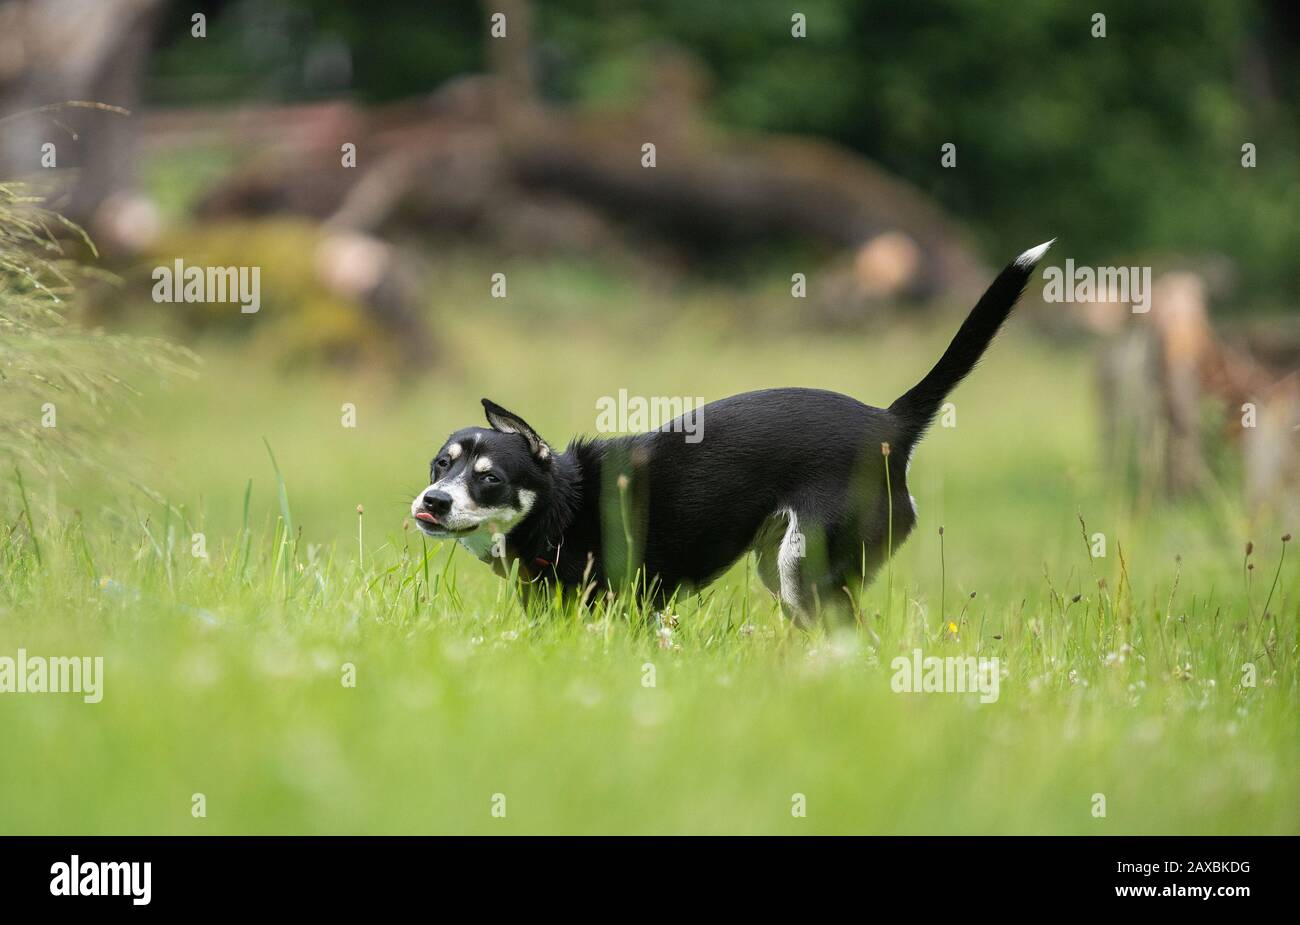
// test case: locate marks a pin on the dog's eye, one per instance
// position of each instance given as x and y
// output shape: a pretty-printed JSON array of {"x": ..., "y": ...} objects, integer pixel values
[
  {"x": 441, "y": 463},
  {"x": 491, "y": 479}
]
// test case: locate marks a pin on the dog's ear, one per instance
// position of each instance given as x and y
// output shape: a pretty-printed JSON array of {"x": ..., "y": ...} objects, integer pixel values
[{"x": 508, "y": 423}]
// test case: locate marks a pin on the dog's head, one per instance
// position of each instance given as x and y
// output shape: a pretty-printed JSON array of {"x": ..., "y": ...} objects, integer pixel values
[{"x": 484, "y": 479}]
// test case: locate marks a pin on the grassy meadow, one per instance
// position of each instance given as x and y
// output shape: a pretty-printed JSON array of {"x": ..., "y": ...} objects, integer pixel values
[{"x": 223, "y": 675}]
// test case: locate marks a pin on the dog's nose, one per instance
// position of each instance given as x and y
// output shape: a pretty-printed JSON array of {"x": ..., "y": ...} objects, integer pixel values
[{"x": 437, "y": 502}]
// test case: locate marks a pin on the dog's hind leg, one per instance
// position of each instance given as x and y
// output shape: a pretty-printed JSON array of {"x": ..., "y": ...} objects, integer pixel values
[
  {"x": 766, "y": 547},
  {"x": 782, "y": 550},
  {"x": 790, "y": 557},
  {"x": 801, "y": 562}
]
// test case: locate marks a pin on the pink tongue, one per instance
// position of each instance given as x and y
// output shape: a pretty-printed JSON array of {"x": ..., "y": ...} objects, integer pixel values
[{"x": 425, "y": 515}]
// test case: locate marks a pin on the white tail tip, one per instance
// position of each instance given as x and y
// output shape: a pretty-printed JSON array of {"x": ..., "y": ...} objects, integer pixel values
[{"x": 1034, "y": 254}]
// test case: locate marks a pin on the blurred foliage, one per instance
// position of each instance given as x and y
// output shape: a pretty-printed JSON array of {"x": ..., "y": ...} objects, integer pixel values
[
  {"x": 1128, "y": 146},
  {"x": 302, "y": 49},
  {"x": 179, "y": 181},
  {"x": 300, "y": 318},
  {"x": 61, "y": 384}
]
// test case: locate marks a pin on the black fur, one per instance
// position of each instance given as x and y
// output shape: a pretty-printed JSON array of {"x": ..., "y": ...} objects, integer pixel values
[{"x": 672, "y": 515}]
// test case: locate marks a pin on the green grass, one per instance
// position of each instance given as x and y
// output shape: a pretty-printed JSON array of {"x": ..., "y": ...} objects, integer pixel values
[{"x": 223, "y": 676}]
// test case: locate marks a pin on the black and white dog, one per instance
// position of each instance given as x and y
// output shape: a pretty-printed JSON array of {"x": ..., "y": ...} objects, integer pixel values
[{"x": 814, "y": 482}]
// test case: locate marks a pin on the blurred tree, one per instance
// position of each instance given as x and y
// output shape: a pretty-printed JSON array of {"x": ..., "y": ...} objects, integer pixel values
[
  {"x": 1128, "y": 146},
  {"x": 77, "y": 51}
]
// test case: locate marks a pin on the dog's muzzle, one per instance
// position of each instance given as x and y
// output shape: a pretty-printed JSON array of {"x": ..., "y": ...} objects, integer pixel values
[{"x": 430, "y": 511}]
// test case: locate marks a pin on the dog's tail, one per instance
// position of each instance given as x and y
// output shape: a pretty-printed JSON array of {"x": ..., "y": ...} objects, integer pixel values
[{"x": 916, "y": 407}]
